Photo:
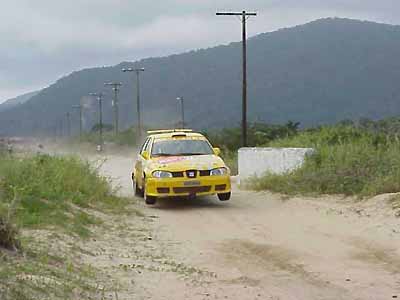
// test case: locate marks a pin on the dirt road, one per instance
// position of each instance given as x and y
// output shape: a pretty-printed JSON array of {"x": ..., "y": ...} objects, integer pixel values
[{"x": 262, "y": 246}]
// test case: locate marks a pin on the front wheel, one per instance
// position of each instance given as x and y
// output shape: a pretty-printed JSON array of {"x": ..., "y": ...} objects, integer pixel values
[
  {"x": 224, "y": 196},
  {"x": 138, "y": 191},
  {"x": 150, "y": 200}
]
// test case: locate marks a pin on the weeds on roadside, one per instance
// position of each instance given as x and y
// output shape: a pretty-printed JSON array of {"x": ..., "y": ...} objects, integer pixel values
[
  {"x": 8, "y": 229},
  {"x": 63, "y": 196},
  {"x": 55, "y": 191},
  {"x": 40, "y": 275},
  {"x": 347, "y": 161}
]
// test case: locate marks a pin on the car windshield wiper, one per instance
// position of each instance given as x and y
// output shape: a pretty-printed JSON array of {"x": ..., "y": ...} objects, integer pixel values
[
  {"x": 184, "y": 154},
  {"x": 165, "y": 154}
]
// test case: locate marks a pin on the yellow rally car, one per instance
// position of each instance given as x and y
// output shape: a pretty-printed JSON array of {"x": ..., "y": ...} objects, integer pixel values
[{"x": 179, "y": 163}]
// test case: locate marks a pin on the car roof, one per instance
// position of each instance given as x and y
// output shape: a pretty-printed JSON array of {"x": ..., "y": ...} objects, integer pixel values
[{"x": 165, "y": 134}]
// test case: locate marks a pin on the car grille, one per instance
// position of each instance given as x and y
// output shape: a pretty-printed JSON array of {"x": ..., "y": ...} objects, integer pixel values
[
  {"x": 177, "y": 174},
  {"x": 200, "y": 173},
  {"x": 192, "y": 189},
  {"x": 205, "y": 172}
]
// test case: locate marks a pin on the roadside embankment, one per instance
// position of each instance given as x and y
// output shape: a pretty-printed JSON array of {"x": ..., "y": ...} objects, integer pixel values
[{"x": 49, "y": 207}]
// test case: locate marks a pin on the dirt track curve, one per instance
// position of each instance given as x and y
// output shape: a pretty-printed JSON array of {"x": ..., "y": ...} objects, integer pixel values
[{"x": 262, "y": 246}]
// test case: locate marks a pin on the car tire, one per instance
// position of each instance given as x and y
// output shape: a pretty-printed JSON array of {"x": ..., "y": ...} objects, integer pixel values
[
  {"x": 150, "y": 200},
  {"x": 224, "y": 196},
  {"x": 138, "y": 191}
]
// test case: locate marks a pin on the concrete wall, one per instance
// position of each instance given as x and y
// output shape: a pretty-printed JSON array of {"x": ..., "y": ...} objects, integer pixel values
[{"x": 258, "y": 161}]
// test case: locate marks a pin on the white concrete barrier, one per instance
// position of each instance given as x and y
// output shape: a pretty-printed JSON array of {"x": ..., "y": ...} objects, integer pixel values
[{"x": 259, "y": 161}]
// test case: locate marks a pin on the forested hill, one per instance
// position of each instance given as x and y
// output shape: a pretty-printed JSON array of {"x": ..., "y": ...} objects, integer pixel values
[
  {"x": 321, "y": 72},
  {"x": 10, "y": 103}
]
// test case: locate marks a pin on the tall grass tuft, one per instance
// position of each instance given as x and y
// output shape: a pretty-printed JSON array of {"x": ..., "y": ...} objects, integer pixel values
[
  {"x": 347, "y": 161},
  {"x": 54, "y": 191}
]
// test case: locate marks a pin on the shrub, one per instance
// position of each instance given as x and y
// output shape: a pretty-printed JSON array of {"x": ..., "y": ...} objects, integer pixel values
[
  {"x": 54, "y": 191},
  {"x": 258, "y": 134},
  {"x": 347, "y": 161},
  {"x": 8, "y": 235}
]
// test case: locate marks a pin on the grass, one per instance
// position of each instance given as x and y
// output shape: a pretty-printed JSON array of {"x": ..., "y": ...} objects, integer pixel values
[
  {"x": 40, "y": 275},
  {"x": 54, "y": 191},
  {"x": 58, "y": 195},
  {"x": 8, "y": 235},
  {"x": 347, "y": 161}
]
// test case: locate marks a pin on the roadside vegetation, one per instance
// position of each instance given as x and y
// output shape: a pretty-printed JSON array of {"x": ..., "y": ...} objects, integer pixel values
[
  {"x": 351, "y": 158},
  {"x": 44, "y": 199},
  {"x": 125, "y": 137},
  {"x": 347, "y": 160}
]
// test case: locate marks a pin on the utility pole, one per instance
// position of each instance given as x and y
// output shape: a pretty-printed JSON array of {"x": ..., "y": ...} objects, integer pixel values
[
  {"x": 80, "y": 107},
  {"x": 61, "y": 128},
  {"x": 55, "y": 131},
  {"x": 244, "y": 16},
  {"x": 182, "y": 111},
  {"x": 139, "y": 121},
  {"x": 68, "y": 115},
  {"x": 115, "y": 87},
  {"x": 100, "y": 100}
]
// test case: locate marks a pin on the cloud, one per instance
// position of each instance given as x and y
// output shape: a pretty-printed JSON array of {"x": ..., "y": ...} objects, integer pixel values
[{"x": 43, "y": 40}]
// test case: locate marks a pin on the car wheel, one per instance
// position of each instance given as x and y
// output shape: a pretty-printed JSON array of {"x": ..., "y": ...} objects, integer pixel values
[
  {"x": 136, "y": 189},
  {"x": 224, "y": 196},
  {"x": 150, "y": 200}
]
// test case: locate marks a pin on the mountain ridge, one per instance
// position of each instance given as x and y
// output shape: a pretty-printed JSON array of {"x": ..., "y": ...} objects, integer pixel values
[
  {"x": 10, "y": 103},
  {"x": 320, "y": 72}
]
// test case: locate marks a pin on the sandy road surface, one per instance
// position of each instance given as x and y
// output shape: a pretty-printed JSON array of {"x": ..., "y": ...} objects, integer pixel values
[{"x": 261, "y": 246}]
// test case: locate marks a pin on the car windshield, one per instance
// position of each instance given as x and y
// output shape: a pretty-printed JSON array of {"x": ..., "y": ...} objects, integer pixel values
[{"x": 181, "y": 147}]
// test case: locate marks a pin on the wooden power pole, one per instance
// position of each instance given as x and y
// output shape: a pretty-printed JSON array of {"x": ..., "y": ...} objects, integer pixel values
[
  {"x": 115, "y": 87},
  {"x": 244, "y": 16}
]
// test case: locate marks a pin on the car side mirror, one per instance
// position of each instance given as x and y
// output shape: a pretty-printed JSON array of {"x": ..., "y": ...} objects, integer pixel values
[
  {"x": 217, "y": 151},
  {"x": 146, "y": 155}
]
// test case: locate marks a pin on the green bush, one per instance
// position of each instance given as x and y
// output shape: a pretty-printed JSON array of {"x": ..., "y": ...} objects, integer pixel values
[
  {"x": 54, "y": 191},
  {"x": 8, "y": 234},
  {"x": 347, "y": 160},
  {"x": 59, "y": 194},
  {"x": 258, "y": 134}
]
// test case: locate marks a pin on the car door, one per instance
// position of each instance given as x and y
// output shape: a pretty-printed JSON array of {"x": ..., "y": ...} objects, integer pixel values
[{"x": 140, "y": 163}]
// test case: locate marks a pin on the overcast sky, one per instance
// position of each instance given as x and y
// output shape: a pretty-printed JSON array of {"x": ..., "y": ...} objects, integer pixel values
[{"x": 42, "y": 40}]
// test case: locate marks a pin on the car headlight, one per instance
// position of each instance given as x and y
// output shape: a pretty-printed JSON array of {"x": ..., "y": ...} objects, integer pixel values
[
  {"x": 219, "y": 172},
  {"x": 162, "y": 174}
]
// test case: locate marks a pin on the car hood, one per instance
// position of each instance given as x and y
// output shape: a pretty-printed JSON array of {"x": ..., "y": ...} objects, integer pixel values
[{"x": 182, "y": 163}]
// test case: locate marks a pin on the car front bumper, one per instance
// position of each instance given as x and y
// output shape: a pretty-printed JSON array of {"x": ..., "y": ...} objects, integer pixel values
[{"x": 202, "y": 186}]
